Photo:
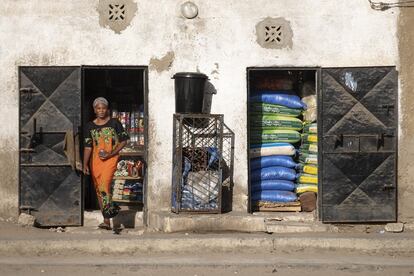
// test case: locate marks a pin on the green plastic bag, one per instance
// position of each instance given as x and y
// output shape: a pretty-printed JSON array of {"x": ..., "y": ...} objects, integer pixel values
[
  {"x": 311, "y": 128},
  {"x": 269, "y": 109},
  {"x": 275, "y": 122},
  {"x": 274, "y": 136}
]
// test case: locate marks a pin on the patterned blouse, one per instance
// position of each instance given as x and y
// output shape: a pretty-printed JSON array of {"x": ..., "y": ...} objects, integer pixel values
[{"x": 110, "y": 133}]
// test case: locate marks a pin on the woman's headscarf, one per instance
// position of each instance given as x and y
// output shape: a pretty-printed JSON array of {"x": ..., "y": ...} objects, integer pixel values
[{"x": 100, "y": 100}]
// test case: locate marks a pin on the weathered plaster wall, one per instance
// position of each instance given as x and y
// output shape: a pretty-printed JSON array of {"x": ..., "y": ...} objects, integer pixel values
[
  {"x": 406, "y": 143},
  {"x": 221, "y": 42}
]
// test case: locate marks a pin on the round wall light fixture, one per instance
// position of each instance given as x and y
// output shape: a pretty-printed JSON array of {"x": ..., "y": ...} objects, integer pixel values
[{"x": 189, "y": 10}]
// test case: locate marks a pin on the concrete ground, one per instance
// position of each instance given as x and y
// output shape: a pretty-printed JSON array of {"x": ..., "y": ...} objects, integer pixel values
[{"x": 89, "y": 251}]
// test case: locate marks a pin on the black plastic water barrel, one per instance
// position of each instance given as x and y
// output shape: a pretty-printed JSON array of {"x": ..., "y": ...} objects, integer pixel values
[{"x": 189, "y": 92}]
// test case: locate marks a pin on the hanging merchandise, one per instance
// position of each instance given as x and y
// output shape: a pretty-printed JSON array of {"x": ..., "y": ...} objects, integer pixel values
[
  {"x": 274, "y": 136},
  {"x": 272, "y": 149},
  {"x": 275, "y": 122},
  {"x": 273, "y": 109}
]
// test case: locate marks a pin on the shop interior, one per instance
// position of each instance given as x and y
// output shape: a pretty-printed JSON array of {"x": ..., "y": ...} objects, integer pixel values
[
  {"x": 283, "y": 144},
  {"x": 124, "y": 88}
]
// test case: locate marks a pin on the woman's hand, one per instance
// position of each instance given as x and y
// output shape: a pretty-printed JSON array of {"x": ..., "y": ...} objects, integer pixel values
[
  {"x": 86, "y": 170},
  {"x": 103, "y": 155}
]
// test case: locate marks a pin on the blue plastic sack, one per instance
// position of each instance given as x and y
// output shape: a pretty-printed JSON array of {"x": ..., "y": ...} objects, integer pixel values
[
  {"x": 274, "y": 196},
  {"x": 291, "y": 101},
  {"x": 272, "y": 160},
  {"x": 281, "y": 185},
  {"x": 272, "y": 173}
]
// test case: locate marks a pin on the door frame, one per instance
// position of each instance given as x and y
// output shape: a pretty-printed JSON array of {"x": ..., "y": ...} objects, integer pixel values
[
  {"x": 317, "y": 70},
  {"x": 145, "y": 70}
]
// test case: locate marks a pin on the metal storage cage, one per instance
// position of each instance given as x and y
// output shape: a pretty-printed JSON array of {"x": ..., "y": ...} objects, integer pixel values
[{"x": 203, "y": 151}]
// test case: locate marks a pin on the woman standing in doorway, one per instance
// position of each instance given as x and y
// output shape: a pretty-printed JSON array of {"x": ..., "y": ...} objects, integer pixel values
[{"x": 104, "y": 138}]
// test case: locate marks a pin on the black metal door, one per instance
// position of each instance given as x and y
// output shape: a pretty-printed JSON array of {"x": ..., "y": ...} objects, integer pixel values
[
  {"x": 358, "y": 137},
  {"x": 49, "y": 107}
]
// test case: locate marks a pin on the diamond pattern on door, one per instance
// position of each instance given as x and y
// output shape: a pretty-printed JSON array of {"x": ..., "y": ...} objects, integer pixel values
[
  {"x": 49, "y": 107},
  {"x": 358, "y": 180}
]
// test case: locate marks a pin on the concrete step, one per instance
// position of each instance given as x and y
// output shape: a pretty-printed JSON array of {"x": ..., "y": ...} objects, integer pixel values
[
  {"x": 128, "y": 218},
  {"x": 296, "y": 227}
]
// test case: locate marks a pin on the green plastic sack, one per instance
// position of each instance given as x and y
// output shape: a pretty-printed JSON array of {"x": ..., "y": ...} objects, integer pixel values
[
  {"x": 308, "y": 158},
  {"x": 309, "y": 148},
  {"x": 273, "y": 109},
  {"x": 275, "y": 122},
  {"x": 311, "y": 128},
  {"x": 274, "y": 136},
  {"x": 309, "y": 138}
]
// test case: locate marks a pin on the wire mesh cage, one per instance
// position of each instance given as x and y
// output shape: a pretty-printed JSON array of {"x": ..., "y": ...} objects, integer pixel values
[{"x": 203, "y": 153}]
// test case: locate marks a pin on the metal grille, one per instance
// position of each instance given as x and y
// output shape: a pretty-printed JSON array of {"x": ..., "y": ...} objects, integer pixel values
[{"x": 202, "y": 162}]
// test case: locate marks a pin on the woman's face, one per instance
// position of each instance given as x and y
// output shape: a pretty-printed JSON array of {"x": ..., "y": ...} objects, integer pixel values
[{"x": 101, "y": 111}]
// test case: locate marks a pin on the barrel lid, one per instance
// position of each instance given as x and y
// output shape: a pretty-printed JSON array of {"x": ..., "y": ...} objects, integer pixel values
[{"x": 193, "y": 75}]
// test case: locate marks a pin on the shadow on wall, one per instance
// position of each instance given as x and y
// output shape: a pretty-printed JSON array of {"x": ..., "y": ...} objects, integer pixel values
[
  {"x": 209, "y": 91},
  {"x": 227, "y": 187}
]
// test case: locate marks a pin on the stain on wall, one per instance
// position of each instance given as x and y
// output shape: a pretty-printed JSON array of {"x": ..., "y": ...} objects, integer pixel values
[{"x": 162, "y": 64}]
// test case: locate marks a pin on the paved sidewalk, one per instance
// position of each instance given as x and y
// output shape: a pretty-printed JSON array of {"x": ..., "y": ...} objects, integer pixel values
[{"x": 18, "y": 240}]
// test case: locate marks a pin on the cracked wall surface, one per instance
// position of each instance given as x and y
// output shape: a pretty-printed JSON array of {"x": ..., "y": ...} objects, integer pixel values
[{"x": 220, "y": 41}]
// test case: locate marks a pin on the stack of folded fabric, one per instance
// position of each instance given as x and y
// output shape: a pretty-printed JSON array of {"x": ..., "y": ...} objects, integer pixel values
[{"x": 274, "y": 129}]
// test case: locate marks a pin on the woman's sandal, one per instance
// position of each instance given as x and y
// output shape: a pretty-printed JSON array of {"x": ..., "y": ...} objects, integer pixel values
[{"x": 104, "y": 226}]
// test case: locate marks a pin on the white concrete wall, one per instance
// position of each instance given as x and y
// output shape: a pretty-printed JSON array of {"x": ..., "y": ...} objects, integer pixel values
[{"x": 60, "y": 32}]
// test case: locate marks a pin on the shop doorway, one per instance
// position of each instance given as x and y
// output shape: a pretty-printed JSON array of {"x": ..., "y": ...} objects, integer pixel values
[
  {"x": 352, "y": 162},
  {"x": 55, "y": 103}
]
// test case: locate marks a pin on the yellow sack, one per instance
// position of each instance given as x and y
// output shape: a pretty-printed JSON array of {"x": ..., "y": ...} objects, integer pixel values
[
  {"x": 303, "y": 188},
  {"x": 308, "y": 169},
  {"x": 307, "y": 178}
]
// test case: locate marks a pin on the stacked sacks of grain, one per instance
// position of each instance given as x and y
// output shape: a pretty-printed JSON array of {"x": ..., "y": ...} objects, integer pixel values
[
  {"x": 307, "y": 177},
  {"x": 274, "y": 129},
  {"x": 272, "y": 178}
]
